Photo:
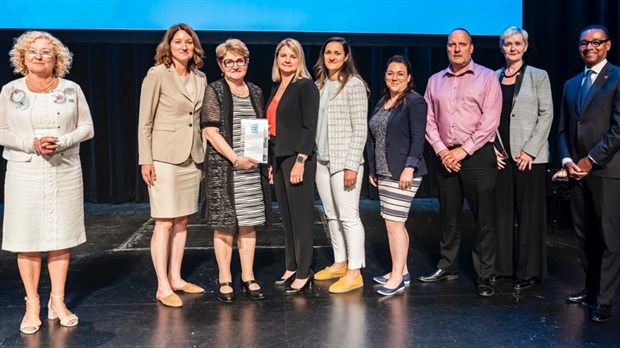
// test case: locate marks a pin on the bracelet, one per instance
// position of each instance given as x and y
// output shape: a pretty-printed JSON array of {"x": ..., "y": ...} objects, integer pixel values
[
  {"x": 236, "y": 164},
  {"x": 34, "y": 145}
]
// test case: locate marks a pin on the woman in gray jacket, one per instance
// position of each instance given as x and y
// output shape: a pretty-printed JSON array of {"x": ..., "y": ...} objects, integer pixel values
[
  {"x": 340, "y": 138},
  {"x": 522, "y": 154}
]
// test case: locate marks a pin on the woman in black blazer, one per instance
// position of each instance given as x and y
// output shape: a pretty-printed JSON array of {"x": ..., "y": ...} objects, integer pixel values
[
  {"x": 292, "y": 113},
  {"x": 395, "y": 148}
]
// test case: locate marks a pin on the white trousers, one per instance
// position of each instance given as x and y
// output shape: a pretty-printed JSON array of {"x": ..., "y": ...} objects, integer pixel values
[{"x": 343, "y": 215}]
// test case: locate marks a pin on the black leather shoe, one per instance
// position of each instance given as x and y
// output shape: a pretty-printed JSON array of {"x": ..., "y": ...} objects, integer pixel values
[
  {"x": 580, "y": 297},
  {"x": 291, "y": 290},
  {"x": 494, "y": 278},
  {"x": 438, "y": 275},
  {"x": 601, "y": 313},
  {"x": 284, "y": 281},
  {"x": 253, "y": 294},
  {"x": 228, "y": 297},
  {"x": 484, "y": 288},
  {"x": 521, "y": 284}
]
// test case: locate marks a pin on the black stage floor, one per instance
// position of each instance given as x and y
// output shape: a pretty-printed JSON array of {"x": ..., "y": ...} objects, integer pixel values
[{"x": 111, "y": 286}]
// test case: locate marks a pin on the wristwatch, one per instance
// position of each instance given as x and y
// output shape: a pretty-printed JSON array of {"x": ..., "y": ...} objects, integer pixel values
[{"x": 301, "y": 159}]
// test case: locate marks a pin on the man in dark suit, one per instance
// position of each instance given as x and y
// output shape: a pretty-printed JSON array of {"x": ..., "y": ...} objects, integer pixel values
[{"x": 589, "y": 140}]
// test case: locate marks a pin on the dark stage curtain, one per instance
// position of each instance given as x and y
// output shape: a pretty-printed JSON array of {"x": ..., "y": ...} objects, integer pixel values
[{"x": 111, "y": 71}]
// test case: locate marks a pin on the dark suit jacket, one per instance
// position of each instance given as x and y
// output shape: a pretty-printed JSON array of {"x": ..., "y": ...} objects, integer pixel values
[
  {"x": 296, "y": 118},
  {"x": 595, "y": 130},
  {"x": 404, "y": 139}
]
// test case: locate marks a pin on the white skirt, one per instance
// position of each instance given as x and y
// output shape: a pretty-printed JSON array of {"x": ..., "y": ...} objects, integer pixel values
[
  {"x": 43, "y": 204},
  {"x": 175, "y": 192}
]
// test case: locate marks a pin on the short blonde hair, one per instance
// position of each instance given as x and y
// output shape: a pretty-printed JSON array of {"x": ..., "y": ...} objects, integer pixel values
[
  {"x": 22, "y": 44},
  {"x": 231, "y": 45},
  {"x": 510, "y": 31},
  {"x": 295, "y": 46}
]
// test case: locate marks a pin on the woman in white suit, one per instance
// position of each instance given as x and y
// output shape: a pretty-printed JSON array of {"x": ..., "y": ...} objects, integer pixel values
[
  {"x": 522, "y": 154},
  {"x": 43, "y": 120},
  {"x": 170, "y": 151}
]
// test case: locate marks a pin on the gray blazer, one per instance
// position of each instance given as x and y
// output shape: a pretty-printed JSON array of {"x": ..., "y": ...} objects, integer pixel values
[
  {"x": 347, "y": 126},
  {"x": 531, "y": 115}
]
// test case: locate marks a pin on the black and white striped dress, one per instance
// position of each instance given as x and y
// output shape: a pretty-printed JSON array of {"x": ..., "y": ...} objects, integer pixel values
[{"x": 249, "y": 204}]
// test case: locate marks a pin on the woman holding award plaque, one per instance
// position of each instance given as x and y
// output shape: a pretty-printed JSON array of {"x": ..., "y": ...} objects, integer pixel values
[{"x": 235, "y": 194}]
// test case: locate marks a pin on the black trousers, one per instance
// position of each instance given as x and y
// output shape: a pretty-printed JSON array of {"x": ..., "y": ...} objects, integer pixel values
[
  {"x": 596, "y": 221},
  {"x": 296, "y": 204},
  {"x": 521, "y": 202},
  {"x": 476, "y": 183}
]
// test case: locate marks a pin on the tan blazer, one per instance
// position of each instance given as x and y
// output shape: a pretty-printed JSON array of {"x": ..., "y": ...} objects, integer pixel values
[{"x": 169, "y": 121}]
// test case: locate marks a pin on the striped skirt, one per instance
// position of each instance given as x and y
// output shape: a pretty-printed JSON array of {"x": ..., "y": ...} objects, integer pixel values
[
  {"x": 395, "y": 203},
  {"x": 249, "y": 204}
]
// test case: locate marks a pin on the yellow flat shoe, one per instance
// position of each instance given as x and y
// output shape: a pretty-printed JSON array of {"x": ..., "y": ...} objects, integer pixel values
[
  {"x": 171, "y": 300},
  {"x": 343, "y": 285},
  {"x": 326, "y": 274},
  {"x": 190, "y": 288}
]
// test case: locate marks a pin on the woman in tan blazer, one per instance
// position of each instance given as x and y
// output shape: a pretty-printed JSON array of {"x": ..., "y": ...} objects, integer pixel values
[{"x": 170, "y": 151}]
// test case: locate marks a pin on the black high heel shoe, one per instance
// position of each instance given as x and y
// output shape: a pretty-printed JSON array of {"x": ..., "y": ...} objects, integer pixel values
[
  {"x": 285, "y": 281},
  {"x": 253, "y": 294},
  {"x": 226, "y": 297},
  {"x": 309, "y": 282}
]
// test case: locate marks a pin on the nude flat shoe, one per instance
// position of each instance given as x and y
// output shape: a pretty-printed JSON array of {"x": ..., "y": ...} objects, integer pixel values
[
  {"x": 171, "y": 300},
  {"x": 190, "y": 288}
]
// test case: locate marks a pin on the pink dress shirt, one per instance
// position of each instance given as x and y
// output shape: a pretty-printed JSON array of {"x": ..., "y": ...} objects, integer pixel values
[{"x": 463, "y": 110}]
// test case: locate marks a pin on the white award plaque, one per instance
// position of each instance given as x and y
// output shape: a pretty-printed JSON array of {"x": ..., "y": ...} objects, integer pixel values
[{"x": 255, "y": 137}]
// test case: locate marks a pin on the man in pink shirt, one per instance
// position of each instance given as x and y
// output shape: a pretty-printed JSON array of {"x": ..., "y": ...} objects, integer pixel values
[{"x": 464, "y": 106}]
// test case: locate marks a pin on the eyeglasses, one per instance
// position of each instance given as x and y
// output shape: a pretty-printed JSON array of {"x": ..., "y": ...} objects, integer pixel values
[
  {"x": 399, "y": 75},
  {"x": 594, "y": 43},
  {"x": 241, "y": 62},
  {"x": 47, "y": 54}
]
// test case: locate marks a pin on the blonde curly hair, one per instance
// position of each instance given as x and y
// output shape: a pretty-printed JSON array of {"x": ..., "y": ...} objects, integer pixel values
[{"x": 64, "y": 57}]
